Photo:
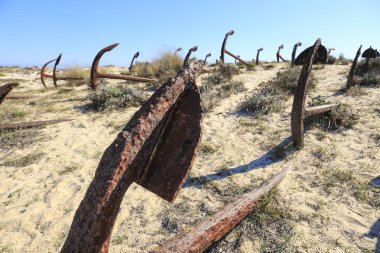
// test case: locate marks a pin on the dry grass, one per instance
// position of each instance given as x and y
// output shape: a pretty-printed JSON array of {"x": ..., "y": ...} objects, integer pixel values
[
  {"x": 166, "y": 65},
  {"x": 24, "y": 161},
  {"x": 77, "y": 72}
]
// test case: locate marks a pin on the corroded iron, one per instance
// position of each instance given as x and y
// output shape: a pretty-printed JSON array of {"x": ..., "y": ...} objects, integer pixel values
[
  {"x": 236, "y": 57},
  {"x": 31, "y": 124},
  {"x": 136, "y": 55},
  {"x": 187, "y": 58},
  {"x": 257, "y": 55},
  {"x": 54, "y": 76},
  {"x": 207, "y": 55},
  {"x": 320, "y": 57},
  {"x": 298, "y": 44},
  {"x": 95, "y": 74},
  {"x": 211, "y": 230},
  {"x": 155, "y": 149},
  {"x": 299, "y": 112},
  {"x": 278, "y": 54},
  {"x": 350, "y": 78},
  {"x": 5, "y": 89},
  {"x": 224, "y": 44}
]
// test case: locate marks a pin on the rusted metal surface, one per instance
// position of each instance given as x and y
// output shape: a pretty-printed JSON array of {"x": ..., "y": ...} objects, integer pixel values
[
  {"x": 31, "y": 124},
  {"x": 155, "y": 149},
  {"x": 187, "y": 58},
  {"x": 236, "y": 57},
  {"x": 5, "y": 89},
  {"x": 136, "y": 55},
  {"x": 278, "y": 54},
  {"x": 298, "y": 109},
  {"x": 207, "y": 56},
  {"x": 350, "y": 78},
  {"x": 224, "y": 44},
  {"x": 236, "y": 61},
  {"x": 320, "y": 57},
  {"x": 54, "y": 76},
  {"x": 298, "y": 44},
  {"x": 214, "y": 228},
  {"x": 95, "y": 74},
  {"x": 314, "y": 110},
  {"x": 257, "y": 55}
]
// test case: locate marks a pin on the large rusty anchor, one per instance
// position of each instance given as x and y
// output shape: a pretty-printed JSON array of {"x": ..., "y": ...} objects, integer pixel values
[
  {"x": 298, "y": 44},
  {"x": 258, "y": 54},
  {"x": 136, "y": 55},
  {"x": 224, "y": 50},
  {"x": 187, "y": 58},
  {"x": 299, "y": 112},
  {"x": 155, "y": 150},
  {"x": 320, "y": 56},
  {"x": 350, "y": 78},
  {"x": 95, "y": 74},
  {"x": 278, "y": 54},
  {"x": 177, "y": 50},
  {"x": 54, "y": 76},
  {"x": 5, "y": 89}
]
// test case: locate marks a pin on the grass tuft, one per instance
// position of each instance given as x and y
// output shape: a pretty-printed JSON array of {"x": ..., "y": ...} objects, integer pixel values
[
  {"x": 25, "y": 160},
  {"x": 111, "y": 97}
]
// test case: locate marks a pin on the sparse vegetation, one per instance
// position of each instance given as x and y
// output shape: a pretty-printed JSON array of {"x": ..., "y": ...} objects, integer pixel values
[
  {"x": 207, "y": 149},
  {"x": 264, "y": 101},
  {"x": 25, "y": 160},
  {"x": 19, "y": 138},
  {"x": 270, "y": 225},
  {"x": 166, "y": 65},
  {"x": 12, "y": 114},
  {"x": 341, "y": 117},
  {"x": 343, "y": 61},
  {"x": 77, "y": 72},
  {"x": 355, "y": 91},
  {"x": 114, "y": 97}
]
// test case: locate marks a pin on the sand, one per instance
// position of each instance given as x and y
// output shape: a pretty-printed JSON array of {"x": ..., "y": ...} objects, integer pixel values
[{"x": 38, "y": 201}]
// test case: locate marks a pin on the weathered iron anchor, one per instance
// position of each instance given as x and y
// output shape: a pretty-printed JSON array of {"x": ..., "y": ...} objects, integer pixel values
[
  {"x": 54, "y": 76},
  {"x": 155, "y": 150},
  {"x": 224, "y": 50},
  {"x": 95, "y": 74},
  {"x": 258, "y": 54},
  {"x": 136, "y": 55},
  {"x": 299, "y": 112},
  {"x": 278, "y": 54},
  {"x": 298, "y": 44}
]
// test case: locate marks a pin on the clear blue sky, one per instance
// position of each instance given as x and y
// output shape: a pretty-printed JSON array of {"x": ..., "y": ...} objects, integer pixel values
[{"x": 34, "y": 31}]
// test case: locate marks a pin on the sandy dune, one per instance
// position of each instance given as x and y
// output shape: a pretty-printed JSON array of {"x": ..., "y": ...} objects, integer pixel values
[{"x": 38, "y": 201}]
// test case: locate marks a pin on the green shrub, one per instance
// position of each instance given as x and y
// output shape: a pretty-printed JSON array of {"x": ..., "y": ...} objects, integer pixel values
[
  {"x": 287, "y": 80},
  {"x": 263, "y": 102},
  {"x": 111, "y": 97}
]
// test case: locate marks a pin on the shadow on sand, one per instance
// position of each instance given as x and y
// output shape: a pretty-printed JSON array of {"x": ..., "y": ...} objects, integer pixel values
[
  {"x": 267, "y": 159},
  {"x": 373, "y": 233}
]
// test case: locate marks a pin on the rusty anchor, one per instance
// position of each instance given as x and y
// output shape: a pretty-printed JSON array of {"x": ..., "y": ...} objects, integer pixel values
[
  {"x": 136, "y": 55},
  {"x": 5, "y": 89},
  {"x": 177, "y": 50},
  {"x": 95, "y": 74},
  {"x": 299, "y": 112},
  {"x": 298, "y": 44},
  {"x": 187, "y": 58},
  {"x": 211, "y": 230},
  {"x": 224, "y": 50},
  {"x": 155, "y": 150},
  {"x": 278, "y": 54},
  {"x": 368, "y": 54},
  {"x": 54, "y": 76},
  {"x": 207, "y": 56},
  {"x": 350, "y": 78},
  {"x": 320, "y": 57},
  {"x": 258, "y": 54}
]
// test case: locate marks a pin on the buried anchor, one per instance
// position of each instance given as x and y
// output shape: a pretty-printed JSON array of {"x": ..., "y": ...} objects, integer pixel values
[
  {"x": 54, "y": 76},
  {"x": 298, "y": 44},
  {"x": 224, "y": 50},
  {"x": 278, "y": 54},
  {"x": 95, "y": 74},
  {"x": 258, "y": 54},
  {"x": 299, "y": 112},
  {"x": 5, "y": 89},
  {"x": 155, "y": 150}
]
